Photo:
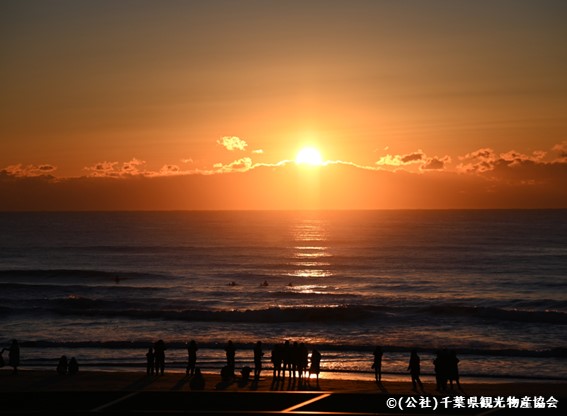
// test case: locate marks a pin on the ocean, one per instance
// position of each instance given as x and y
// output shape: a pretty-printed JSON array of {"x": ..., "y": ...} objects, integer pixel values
[{"x": 103, "y": 286}]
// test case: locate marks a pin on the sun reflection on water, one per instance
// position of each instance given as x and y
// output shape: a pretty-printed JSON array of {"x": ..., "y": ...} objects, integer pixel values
[
  {"x": 310, "y": 273},
  {"x": 311, "y": 289},
  {"x": 310, "y": 238}
]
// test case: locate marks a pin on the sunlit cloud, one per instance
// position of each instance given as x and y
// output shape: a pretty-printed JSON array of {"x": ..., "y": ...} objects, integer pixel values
[
  {"x": 401, "y": 160},
  {"x": 20, "y": 170},
  {"x": 102, "y": 169},
  {"x": 481, "y": 160},
  {"x": 483, "y": 179},
  {"x": 436, "y": 163},
  {"x": 561, "y": 149},
  {"x": 486, "y": 160},
  {"x": 240, "y": 165},
  {"x": 515, "y": 158},
  {"x": 258, "y": 151},
  {"x": 346, "y": 163},
  {"x": 170, "y": 170},
  {"x": 232, "y": 143},
  {"x": 134, "y": 167},
  {"x": 413, "y": 157}
]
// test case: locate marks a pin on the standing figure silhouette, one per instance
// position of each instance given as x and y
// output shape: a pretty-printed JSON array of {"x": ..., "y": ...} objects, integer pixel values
[
  {"x": 258, "y": 354},
  {"x": 414, "y": 368},
  {"x": 191, "y": 357},
  {"x": 13, "y": 355},
  {"x": 230, "y": 357},
  {"x": 377, "y": 364},
  {"x": 159, "y": 357}
]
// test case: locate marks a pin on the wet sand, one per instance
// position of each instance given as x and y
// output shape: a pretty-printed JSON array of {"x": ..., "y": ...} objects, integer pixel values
[{"x": 93, "y": 381}]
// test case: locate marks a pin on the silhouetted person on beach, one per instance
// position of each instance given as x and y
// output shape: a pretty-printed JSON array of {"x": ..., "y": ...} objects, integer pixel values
[
  {"x": 197, "y": 381},
  {"x": 294, "y": 358},
  {"x": 286, "y": 358},
  {"x": 258, "y": 354},
  {"x": 302, "y": 361},
  {"x": 453, "y": 369},
  {"x": 150, "y": 362},
  {"x": 73, "y": 366},
  {"x": 191, "y": 357},
  {"x": 62, "y": 365},
  {"x": 377, "y": 364},
  {"x": 277, "y": 358},
  {"x": 230, "y": 357},
  {"x": 159, "y": 357},
  {"x": 440, "y": 366},
  {"x": 414, "y": 368},
  {"x": 227, "y": 377},
  {"x": 244, "y": 376},
  {"x": 13, "y": 355},
  {"x": 315, "y": 364}
]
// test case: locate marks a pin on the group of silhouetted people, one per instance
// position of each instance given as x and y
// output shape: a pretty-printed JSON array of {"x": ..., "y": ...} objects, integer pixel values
[
  {"x": 287, "y": 357},
  {"x": 155, "y": 359},
  {"x": 65, "y": 366},
  {"x": 294, "y": 359},
  {"x": 155, "y": 363},
  {"x": 446, "y": 367}
]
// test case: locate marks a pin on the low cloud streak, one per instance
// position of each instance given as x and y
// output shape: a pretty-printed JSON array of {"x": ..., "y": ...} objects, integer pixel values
[{"x": 482, "y": 178}]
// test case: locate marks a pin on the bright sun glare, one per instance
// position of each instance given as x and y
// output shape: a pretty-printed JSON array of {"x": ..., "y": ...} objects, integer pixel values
[{"x": 309, "y": 156}]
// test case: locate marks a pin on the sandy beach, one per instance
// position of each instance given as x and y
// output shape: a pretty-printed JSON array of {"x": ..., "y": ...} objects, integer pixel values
[
  {"x": 46, "y": 392},
  {"x": 45, "y": 380}
]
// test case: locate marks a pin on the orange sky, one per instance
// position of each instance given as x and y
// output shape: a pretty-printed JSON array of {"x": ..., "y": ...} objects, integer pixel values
[{"x": 205, "y": 104}]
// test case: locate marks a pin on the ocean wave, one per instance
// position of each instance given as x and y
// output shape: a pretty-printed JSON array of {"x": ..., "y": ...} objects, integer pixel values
[
  {"x": 176, "y": 309},
  {"x": 15, "y": 274},
  {"x": 269, "y": 315},
  {"x": 54, "y": 287},
  {"x": 499, "y": 314},
  {"x": 76, "y": 305}
]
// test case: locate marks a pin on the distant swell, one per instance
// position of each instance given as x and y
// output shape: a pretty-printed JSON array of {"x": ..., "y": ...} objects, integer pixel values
[
  {"x": 154, "y": 309},
  {"x": 72, "y": 273},
  {"x": 550, "y": 317},
  {"x": 271, "y": 315}
]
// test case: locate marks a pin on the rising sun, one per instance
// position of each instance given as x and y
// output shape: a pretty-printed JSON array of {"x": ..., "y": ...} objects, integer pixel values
[{"x": 309, "y": 156}]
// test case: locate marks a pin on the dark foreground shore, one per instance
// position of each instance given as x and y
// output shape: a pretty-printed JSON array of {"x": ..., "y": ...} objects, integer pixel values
[
  {"x": 45, "y": 392},
  {"x": 45, "y": 380}
]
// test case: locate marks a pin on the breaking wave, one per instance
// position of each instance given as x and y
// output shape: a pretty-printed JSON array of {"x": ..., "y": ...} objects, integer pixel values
[{"x": 142, "y": 308}]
